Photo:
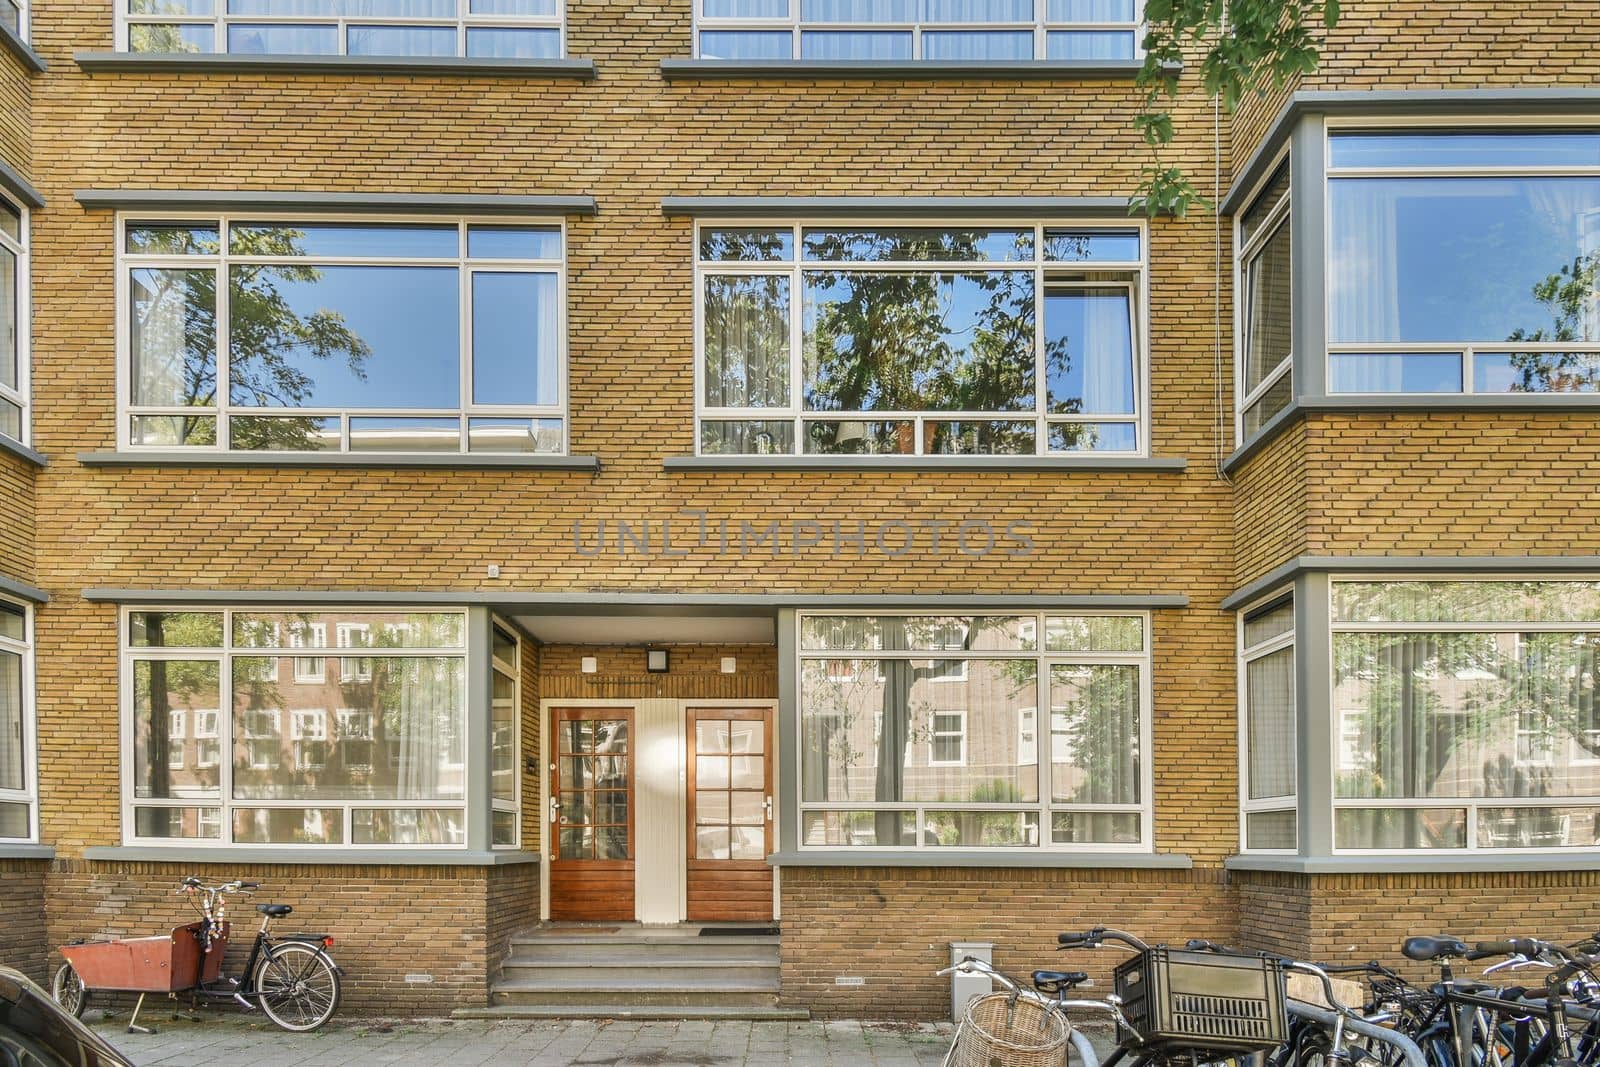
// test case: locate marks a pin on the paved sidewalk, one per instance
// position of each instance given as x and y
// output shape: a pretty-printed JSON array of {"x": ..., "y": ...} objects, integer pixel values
[{"x": 227, "y": 1038}]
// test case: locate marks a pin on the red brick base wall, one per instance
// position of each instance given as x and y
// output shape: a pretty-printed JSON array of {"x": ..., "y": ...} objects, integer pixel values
[{"x": 23, "y": 942}]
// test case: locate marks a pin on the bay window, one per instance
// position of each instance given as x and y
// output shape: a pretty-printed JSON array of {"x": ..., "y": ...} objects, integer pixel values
[
  {"x": 1463, "y": 260},
  {"x": 932, "y": 30},
  {"x": 1265, "y": 384},
  {"x": 273, "y": 335},
  {"x": 487, "y": 29},
  {"x": 897, "y": 750},
  {"x": 920, "y": 340},
  {"x": 17, "y": 747},
  {"x": 1267, "y": 732}
]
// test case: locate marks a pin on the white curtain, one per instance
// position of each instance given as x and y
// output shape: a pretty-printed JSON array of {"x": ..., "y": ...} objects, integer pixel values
[
  {"x": 1269, "y": 709},
  {"x": 977, "y": 10},
  {"x": 507, "y": 43},
  {"x": 745, "y": 9},
  {"x": 1089, "y": 11},
  {"x": 547, "y": 336},
  {"x": 858, "y": 10},
  {"x": 974, "y": 45},
  {"x": 849, "y": 45},
  {"x": 402, "y": 41},
  {"x": 430, "y": 726},
  {"x": 11, "y": 776},
  {"x": 1107, "y": 353},
  {"x": 283, "y": 40},
  {"x": 1363, "y": 279}
]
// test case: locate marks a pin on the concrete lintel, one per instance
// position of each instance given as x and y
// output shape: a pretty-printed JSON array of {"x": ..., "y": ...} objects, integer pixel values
[
  {"x": 1016, "y": 859},
  {"x": 332, "y": 857}
]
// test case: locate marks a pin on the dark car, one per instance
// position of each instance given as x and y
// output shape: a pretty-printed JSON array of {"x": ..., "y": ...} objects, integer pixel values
[{"x": 35, "y": 1032}]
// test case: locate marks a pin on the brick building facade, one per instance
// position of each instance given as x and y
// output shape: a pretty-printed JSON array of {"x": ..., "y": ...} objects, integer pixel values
[{"x": 1202, "y": 477}]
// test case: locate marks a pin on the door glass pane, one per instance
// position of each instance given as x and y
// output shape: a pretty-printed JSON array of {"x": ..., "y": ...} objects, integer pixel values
[
  {"x": 575, "y": 807},
  {"x": 748, "y": 808},
  {"x": 748, "y": 736},
  {"x": 747, "y": 843},
  {"x": 711, "y": 737},
  {"x": 611, "y": 735},
  {"x": 711, "y": 842},
  {"x": 611, "y": 843},
  {"x": 610, "y": 772},
  {"x": 711, "y": 772},
  {"x": 577, "y": 771},
  {"x": 576, "y": 735},
  {"x": 749, "y": 772},
  {"x": 611, "y": 806},
  {"x": 577, "y": 843},
  {"x": 711, "y": 808}
]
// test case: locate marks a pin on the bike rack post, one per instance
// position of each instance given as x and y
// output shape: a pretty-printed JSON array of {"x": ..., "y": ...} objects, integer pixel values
[{"x": 133, "y": 1021}]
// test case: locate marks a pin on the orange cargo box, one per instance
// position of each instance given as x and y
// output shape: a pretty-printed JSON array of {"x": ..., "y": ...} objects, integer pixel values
[{"x": 162, "y": 964}]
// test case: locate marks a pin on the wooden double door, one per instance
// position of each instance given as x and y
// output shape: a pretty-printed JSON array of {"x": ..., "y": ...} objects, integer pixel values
[{"x": 724, "y": 813}]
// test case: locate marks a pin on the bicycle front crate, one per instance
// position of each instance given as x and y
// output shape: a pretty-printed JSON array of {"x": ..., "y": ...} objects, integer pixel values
[
  {"x": 164, "y": 963},
  {"x": 1176, "y": 1000}
]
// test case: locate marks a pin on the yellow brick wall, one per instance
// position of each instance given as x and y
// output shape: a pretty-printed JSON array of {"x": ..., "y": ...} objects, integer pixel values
[
  {"x": 16, "y": 91},
  {"x": 1269, "y": 506},
  {"x": 16, "y": 518}
]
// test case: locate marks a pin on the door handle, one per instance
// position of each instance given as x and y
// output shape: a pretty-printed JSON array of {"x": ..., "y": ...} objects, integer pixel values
[
  {"x": 555, "y": 810},
  {"x": 768, "y": 806}
]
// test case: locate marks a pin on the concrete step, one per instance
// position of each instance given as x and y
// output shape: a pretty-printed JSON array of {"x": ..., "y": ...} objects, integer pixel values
[
  {"x": 732, "y": 1012},
  {"x": 602, "y": 970},
  {"x": 661, "y": 999},
  {"x": 641, "y": 955}
]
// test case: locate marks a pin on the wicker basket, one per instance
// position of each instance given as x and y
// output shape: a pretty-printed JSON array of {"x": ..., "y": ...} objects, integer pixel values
[{"x": 998, "y": 1031}]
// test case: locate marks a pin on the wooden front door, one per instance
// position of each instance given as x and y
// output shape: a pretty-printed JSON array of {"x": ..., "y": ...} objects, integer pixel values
[
  {"x": 730, "y": 814},
  {"x": 591, "y": 870}
]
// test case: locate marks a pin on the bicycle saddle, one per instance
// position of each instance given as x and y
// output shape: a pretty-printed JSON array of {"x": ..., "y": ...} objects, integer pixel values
[
  {"x": 1055, "y": 981},
  {"x": 275, "y": 911},
  {"x": 1423, "y": 949}
]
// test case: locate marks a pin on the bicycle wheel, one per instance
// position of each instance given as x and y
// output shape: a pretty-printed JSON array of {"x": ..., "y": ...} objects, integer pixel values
[
  {"x": 68, "y": 990},
  {"x": 297, "y": 986}
]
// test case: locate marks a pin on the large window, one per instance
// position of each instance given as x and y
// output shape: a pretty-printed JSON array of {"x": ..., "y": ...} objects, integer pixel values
[
  {"x": 934, "y": 30},
  {"x": 1465, "y": 715},
  {"x": 16, "y": 723},
  {"x": 255, "y": 334},
  {"x": 898, "y": 749},
  {"x": 920, "y": 340},
  {"x": 1266, "y": 365},
  {"x": 1267, "y": 727},
  {"x": 14, "y": 303},
  {"x": 489, "y": 29},
  {"x": 1464, "y": 261},
  {"x": 374, "y": 757}
]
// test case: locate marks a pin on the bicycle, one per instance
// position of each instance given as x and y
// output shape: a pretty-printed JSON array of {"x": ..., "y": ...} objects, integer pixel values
[
  {"x": 292, "y": 977},
  {"x": 1049, "y": 994}
]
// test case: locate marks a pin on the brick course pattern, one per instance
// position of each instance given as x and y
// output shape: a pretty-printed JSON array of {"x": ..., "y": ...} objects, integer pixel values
[
  {"x": 16, "y": 518},
  {"x": 22, "y": 925}
]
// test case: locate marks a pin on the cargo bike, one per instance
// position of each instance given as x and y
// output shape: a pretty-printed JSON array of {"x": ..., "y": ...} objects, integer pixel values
[{"x": 291, "y": 977}]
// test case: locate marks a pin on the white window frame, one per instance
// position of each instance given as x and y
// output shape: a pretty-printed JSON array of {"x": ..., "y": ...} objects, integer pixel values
[
  {"x": 1040, "y": 26},
  {"x": 1043, "y": 661},
  {"x": 1244, "y": 656},
  {"x": 514, "y": 671},
  {"x": 22, "y": 395},
  {"x": 1336, "y": 125},
  {"x": 29, "y": 794},
  {"x": 220, "y": 262},
  {"x": 461, "y": 22},
  {"x": 1278, "y": 217},
  {"x": 1047, "y": 274},
  {"x": 935, "y": 735},
  {"x": 1472, "y": 805},
  {"x": 217, "y": 809}
]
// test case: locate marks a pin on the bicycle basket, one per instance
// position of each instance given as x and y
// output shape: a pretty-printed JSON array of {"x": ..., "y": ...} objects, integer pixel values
[
  {"x": 1181, "y": 1000},
  {"x": 998, "y": 1031}
]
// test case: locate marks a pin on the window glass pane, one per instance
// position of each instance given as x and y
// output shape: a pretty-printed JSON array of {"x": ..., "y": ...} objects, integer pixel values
[
  {"x": 503, "y": 741},
  {"x": 1394, "y": 372},
  {"x": 173, "y": 239},
  {"x": 746, "y": 438},
  {"x": 12, "y": 766},
  {"x": 1274, "y": 400},
  {"x": 1403, "y": 602},
  {"x": 513, "y": 242},
  {"x": 304, "y": 336},
  {"x": 1094, "y": 437},
  {"x": 1538, "y": 827},
  {"x": 175, "y": 629},
  {"x": 1466, "y": 148},
  {"x": 1094, "y": 734},
  {"x": 1094, "y": 633},
  {"x": 1402, "y": 267},
  {"x": 1095, "y": 828},
  {"x": 746, "y": 245},
  {"x": 10, "y": 419},
  {"x": 379, "y": 630},
  {"x": 8, "y": 318},
  {"x": 1089, "y": 11},
  {"x": 1089, "y": 44},
  {"x": 159, "y": 430},
  {"x": 161, "y": 37},
  {"x": 265, "y": 39},
  {"x": 407, "y": 826},
  {"x": 288, "y": 826},
  {"x": 858, "y": 10},
  {"x": 522, "y": 43},
  {"x": 1092, "y": 246},
  {"x": 1269, "y": 623},
  {"x": 817, "y": 44},
  {"x": 504, "y": 647},
  {"x": 287, "y": 8},
  {"x": 977, "y": 10},
  {"x": 852, "y": 438},
  {"x": 297, "y": 433},
  {"x": 401, "y": 41},
  {"x": 1270, "y": 725},
  {"x": 543, "y": 8},
  {"x": 527, "y": 436},
  {"x": 10, "y": 220},
  {"x": 1088, "y": 350},
  {"x": 910, "y": 244},
  {"x": 169, "y": 7},
  {"x": 980, "y": 829},
  {"x": 394, "y": 240},
  {"x": 1271, "y": 829},
  {"x": 972, "y": 438},
  {"x": 1267, "y": 318},
  {"x": 405, "y": 435},
  {"x": 867, "y": 829},
  {"x": 869, "y": 729},
  {"x": 745, "y": 9},
  {"x": 746, "y": 44},
  {"x": 1467, "y": 714},
  {"x": 1402, "y": 828},
  {"x": 173, "y": 336},
  {"x": 503, "y": 828},
  {"x": 403, "y": 717},
  {"x": 441, "y": 9},
  {"x": 1266, "y": 201},
  {"x": 516, "y": 319},
  {"x": 974, "y": 45},
  {"x": 1535, "y": 372},
  {"x": 171, "y": 699},
  {"x": 178, "y": 823},
  {"x": 13, "y": 623},
  {"x": 921, "y": 633},
  {"x": 746, "y": 322},
  {"x": 918, "y": 341}
]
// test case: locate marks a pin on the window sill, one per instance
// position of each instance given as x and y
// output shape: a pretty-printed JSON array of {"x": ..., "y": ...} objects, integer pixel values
[
  {"x": 32, "y": 594},
  {"x": 22, "y": 452},
  {"x": 222, "y": 62},
  {"x": 220, "y": 853},
  {"x": 998, "y": 464},
  {"x": 1035, "y": 858},
  {"x": 450, "y": 461},
  {"x": 26, "y": 852},
  {"x": 903, "y": 70},
  {"x": 19, "y": 48},
  {"x": 1412, "y": 863}
]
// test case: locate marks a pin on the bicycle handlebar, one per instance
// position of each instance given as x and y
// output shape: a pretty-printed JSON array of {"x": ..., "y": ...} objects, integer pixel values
[{"x": 1097, "y": 936}]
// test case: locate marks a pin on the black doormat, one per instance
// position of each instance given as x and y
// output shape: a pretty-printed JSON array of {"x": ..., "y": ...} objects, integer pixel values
[{"x": 738, "y": 931}]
